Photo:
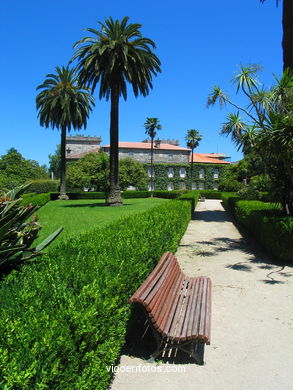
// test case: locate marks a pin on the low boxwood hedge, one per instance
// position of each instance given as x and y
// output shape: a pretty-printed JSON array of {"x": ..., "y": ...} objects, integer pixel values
[
  {"x": 267, "y": 224},
  {"x": 80, "y": 195},
  {"x": 35, "y": 199},
  {"x": 63, "y": 319}
]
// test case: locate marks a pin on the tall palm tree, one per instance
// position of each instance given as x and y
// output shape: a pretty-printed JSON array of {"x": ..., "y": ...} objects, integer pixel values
[
  {"x": 287, "y": 34},
  {"x": 192, "y": 141},
  {"x": 64, "y": 105},
  {"x": 151, "y": 125},
  {"x": 115, "y": 55}
]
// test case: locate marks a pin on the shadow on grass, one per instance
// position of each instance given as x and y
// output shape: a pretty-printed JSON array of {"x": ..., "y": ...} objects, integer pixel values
[{"x": 141, "y": 343}]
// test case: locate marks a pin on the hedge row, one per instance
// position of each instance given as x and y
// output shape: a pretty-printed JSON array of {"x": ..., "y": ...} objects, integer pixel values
[
  {"x": 192, "y": 197},
  {"x": 43, "y": 186},
  {"x": 63, "y": 320},
  {"x": 35, "y": 199},
  {"x": 265, "y": 221}
]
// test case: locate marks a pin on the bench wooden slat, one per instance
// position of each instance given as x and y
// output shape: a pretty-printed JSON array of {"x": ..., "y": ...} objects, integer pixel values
[
  {"x": 178, "y": 306},
  {"x": 151, "y": 278},
  {"x": 158, "y": 305}
]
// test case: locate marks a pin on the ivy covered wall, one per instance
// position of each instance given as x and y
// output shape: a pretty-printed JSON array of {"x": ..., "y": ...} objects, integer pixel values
[{"x": 161, "y": 179}]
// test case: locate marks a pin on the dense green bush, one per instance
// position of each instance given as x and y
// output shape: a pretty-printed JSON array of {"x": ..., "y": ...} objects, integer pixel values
[
  {"x": 35, "y": 199},
  {"x": 168, "y": 194},
  {"x": 267, "y": 224},
  {"x": 43, "y": 186},
  {"x": 210, "y": 194},
  {"x": 192, "y": 197},
  {"x": 135, "y": 194},
  {"x": 63, "y": 321}
]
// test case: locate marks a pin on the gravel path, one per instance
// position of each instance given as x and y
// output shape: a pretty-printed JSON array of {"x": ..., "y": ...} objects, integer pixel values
[{"x": 252, "y": 322}]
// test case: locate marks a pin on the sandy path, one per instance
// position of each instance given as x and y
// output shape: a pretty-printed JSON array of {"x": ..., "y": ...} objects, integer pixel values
[{"x": 252, "y": 321}]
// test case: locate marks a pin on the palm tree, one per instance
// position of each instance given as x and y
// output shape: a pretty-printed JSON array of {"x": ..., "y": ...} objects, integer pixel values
[
  {"x": 64, "y": 105},
  {"x": 192, "y": 141},
  {"x": 287, "y": 34},
  {"x": 151, "y": 125},
  {"x": 115, "y": 55}
]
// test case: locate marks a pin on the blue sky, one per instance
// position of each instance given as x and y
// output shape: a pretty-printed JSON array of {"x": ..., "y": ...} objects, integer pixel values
[{"x": 199, "y": 44}]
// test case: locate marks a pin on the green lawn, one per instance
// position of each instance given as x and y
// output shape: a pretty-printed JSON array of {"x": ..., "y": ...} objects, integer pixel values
[{"x": 81, "y": 215}]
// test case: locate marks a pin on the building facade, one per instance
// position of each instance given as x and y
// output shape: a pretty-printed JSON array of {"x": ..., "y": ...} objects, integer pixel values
[
  {"x": 78, "y": 146},
  {"x": 171, "y": 165}
]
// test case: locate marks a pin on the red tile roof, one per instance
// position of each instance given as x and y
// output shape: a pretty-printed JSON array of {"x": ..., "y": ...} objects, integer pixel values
[
  {"x": 206, "y": 159},
  {"x": 147, "y": 145}
]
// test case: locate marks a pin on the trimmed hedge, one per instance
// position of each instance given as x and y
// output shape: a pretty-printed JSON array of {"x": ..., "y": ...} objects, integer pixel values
[
  {"x": 135, "y": 194},
  {"x": 35, "y": 199},
  {"x": 63, "y": 320},
  {"x": 192, "y": 197},
  {"x": 265, "y": 221},
  {"x": 43, "y": 186},
  {"x": 168, "y": 194}
]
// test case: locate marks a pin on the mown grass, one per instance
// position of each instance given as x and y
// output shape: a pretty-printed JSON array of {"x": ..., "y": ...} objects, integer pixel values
[{"x": 81, "y": 215}]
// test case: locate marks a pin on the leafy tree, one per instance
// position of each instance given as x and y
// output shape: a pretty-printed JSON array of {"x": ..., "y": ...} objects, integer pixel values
[
  {"x": 64, "y": 105},
  {"x": 16, "y": 170},
  {"x": 192, "y": 141},
  {"x": 267, "y": 127},
  {"x": 132, "y": 173},
  {"x": 115, "y": 55},
  {"x": 287, "y": 34},
  {"x": 91, "y": 171},
  {"x": 55, "y": 162},
  {"x": 151, "y": 125}
]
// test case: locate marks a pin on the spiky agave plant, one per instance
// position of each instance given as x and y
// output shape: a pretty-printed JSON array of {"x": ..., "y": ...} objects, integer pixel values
[{"x": 18, "y": 232}]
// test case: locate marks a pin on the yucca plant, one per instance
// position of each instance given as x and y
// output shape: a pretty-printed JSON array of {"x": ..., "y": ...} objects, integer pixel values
[{"x": 17, "y": 232}]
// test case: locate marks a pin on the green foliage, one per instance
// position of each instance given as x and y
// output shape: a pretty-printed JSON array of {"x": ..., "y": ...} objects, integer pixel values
[
  {"x": 16, "y": 234},
  {"x": 266, "y": 129},
  {"x": 168, "y": 194},
  {"x": 161, "y": 178},
  {"x": 43, "y": 186},
  {"x": 81, "y": 195},
  {"x": 249, "y": 193},
  {"x": 135, "y": 194},
  {"x": 16, "y": 170},
  {"x": 55, "y": 162},
  {"x": 132, "y": 173},
  {"x": 266, "y": 222},
  {"x": 230, "y": 185},
  {"x": 35, "y": 199},
  {"x": 92, "y": 171},
  {"x": 192, "y": 197},
  {"x": 72, "y": 309},
  {"x": 261, "y": 183}
]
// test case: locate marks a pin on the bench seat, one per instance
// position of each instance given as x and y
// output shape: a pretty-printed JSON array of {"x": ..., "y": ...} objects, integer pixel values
[{"x": 178, "y": 307}]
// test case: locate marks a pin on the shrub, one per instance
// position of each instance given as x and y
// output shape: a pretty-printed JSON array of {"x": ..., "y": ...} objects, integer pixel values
[
  {"x": 267, "y": 224},
  {"x": 63, "y": 321},
  {"x": 43, "y": 186},
  {"x": 192, "y": 197},
  {"x": 35, "y": 199},
  {"x": 168, "y": 194},
  {"x": 135, "y": 194},
  {"x": 249, "y": 193},
  {"x": 210, "y": 194},
  {"x": 230, "y": 185},
  {"x": 17, "y": 232}
]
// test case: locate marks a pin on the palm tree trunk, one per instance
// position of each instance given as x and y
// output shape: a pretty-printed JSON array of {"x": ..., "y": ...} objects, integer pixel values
[
  {"x": 63, "y": 195},
  {"x": 152, "y": 166},
  {"x": 287, "y": 42},
  {"x": 114, "y": 196}
]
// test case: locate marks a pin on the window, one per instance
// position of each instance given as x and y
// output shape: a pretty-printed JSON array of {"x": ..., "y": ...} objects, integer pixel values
[
  {"x": 182, "y": 185},
  {"x": 182, "y": 172},
  {"x": 215, "y": 186},
  {"x": 170, "y": 156},
  {"x": 201, "y": 174},
  {"x": 151, "y": 172},
  {"x": 151, "y": 186},
  {"x": 150, "y": 155},
  {"x": 130, "y": 154},
  {"x": 193, "y": 186},
  {"x": 201, "y": 186},
  {"x": 170, "y": 187},
  {"x": 216, "y": 173},
  {"x": 170, "y": 172}
]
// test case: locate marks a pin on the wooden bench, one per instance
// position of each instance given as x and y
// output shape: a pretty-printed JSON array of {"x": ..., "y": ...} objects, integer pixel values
[{"x": 178, "y": 308}]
